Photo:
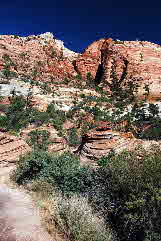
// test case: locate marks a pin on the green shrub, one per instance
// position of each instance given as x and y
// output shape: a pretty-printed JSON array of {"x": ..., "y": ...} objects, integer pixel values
[
  {"x": 7, "y": 59},
  {"x": 64, "y": 171},
  {"x": 73, "y": 137},
  {"x": 89, "y": 80},
  {"x": 128, "y": 191},
  {"x": 16, "y": 116},
  {"x": 57, "y": 116},
  {"x": 57, "y": 122},
  {"x": 6, "y": 72},
  {"x": 39, "y": 117},
  {"x": 3, "y": 121},
  {"x": 66, "y": 80},
  {"x": 79, "y": 77},
  {"x": 39, "y": 139},
  {"x": 30, "y": 166},
  {"x": 20, "y": 113},
  {"x": 103, "y": 161},
  {"x": 67, "y": 174}
]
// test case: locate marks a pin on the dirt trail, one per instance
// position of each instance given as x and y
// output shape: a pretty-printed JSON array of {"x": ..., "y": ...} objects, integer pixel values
[{"x": 19, "y": 217}]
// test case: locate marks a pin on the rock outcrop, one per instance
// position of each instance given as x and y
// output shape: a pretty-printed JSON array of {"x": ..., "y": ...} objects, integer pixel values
[
  {"x": 11, "y": 147},
  {"x": 103, "y": 140},
  {"x": 44, "y": 58},
  {"x": 144, "y": 62},
  {"x": 90, "y": 59},
  {"x": 41, "y": 57}
]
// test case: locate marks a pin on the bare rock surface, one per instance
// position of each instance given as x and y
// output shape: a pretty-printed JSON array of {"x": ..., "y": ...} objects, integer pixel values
[
  {"x": 11, "y": 147},
  {"x": 144, "y": 62},
  {"x": 39, "y": 57},
  {"x": 99, "y": 143}
]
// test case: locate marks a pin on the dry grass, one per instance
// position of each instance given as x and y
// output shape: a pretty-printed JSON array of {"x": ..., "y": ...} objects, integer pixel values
[
  {"x": 41, "y": 193},
  {"x": 73, "y": 217}
]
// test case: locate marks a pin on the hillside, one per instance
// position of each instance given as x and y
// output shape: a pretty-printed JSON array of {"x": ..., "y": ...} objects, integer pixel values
[
  {"x": 81, "y": 133},
  {"x": 56, "y": 74}
]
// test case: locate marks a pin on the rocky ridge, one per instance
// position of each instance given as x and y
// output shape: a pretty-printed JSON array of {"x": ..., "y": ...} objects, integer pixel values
[
  {"x": 39, "y": 57},
  {"x": 144, "y": 62}
]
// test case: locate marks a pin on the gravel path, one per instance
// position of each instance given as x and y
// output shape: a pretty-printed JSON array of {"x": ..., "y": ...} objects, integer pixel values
[{"x": 19, "y": 217}]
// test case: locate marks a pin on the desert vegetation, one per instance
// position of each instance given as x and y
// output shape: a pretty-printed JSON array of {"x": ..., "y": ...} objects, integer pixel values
[{"x": 119, "y": 200}]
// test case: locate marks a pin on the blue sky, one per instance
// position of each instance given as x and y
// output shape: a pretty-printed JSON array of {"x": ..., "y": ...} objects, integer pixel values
[{"x": 78, "y": 23}]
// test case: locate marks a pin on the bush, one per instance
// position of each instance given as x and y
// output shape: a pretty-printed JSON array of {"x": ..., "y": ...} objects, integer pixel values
[
  {"x": 57, "y": 117},
  {"x": 73, "y": 137},
  {"x": 63, "y": 171},
  {"x": 76, "y": 218},
  {"x": 30, "y": 166},
  {"x": 78, "y": 76},
  {"x": 128, "y": 192},
  {"x": 3, "y": 121},
  {"x": 20, "y": 113},
  {"x": 16, "y": 116},
  {"x": 66, "y": 81},
  {"x": 104, "y": 161},
  {"x": 89, "y": 80},
  {"x": 39, "y": 139},
  {"x": 38, "y": 117}
]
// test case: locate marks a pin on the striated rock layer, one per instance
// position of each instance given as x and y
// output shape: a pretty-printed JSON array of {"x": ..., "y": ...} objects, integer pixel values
[
  {"x": 39, "y": 57},
  {"x": 144, "y": 62},
  {"x": 101, "y": 142},
  {"x": 44, "y": 58},
  {"x": 11, "y": 147}
]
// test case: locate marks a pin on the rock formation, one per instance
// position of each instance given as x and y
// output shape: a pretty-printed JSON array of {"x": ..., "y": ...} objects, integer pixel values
[
  {"x": 39, "y": 57},
  {"x": 103, "y": 140},
  {"x": 44, "y": 58},
  {"x": 11, "y": 147},
  {"x": 144, "y": 62},
  {"x": 90, "y": 59}
]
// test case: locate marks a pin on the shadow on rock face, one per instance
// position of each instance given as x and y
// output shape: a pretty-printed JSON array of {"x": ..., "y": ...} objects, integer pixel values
[{"x": 19, "y": 218}]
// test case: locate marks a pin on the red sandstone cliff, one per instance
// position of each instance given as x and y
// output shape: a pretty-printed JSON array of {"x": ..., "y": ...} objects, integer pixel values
[
  {"x": 144, "y": 61},
  {"x": 39, "y": 57},
  {"x": 44, "y": 58}
]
